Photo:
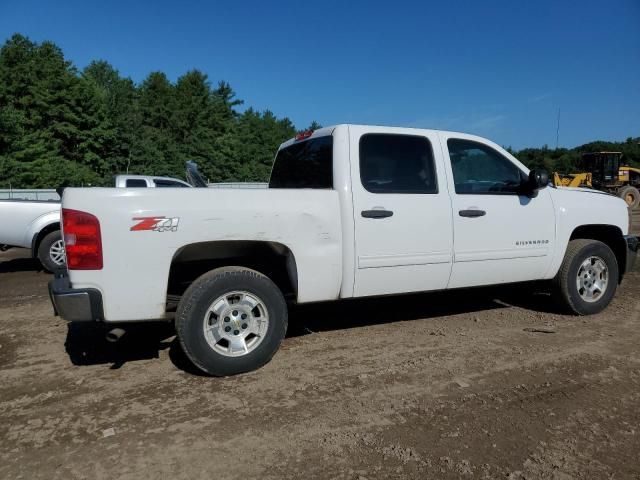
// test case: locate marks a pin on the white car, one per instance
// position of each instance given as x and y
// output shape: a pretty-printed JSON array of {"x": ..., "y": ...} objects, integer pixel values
[
  {"x": 35, "y": 224},
  {"x": 351, "y": 211},
  {"x": 147, "y": 181}
]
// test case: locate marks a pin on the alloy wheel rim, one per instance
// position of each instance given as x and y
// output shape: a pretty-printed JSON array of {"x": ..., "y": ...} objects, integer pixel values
[
  {"x": 592, "y": 279},
  {"x": 57, "y": 253},
  {"x": 236, "y": 323}
]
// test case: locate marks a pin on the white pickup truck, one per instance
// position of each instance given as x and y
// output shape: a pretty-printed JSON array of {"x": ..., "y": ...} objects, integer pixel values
[
  {"x": 351, "y": 211},
  {"x": 35, "y": 224}
]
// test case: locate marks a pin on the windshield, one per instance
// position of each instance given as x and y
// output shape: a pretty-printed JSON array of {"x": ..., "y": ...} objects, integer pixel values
[{"x": 307, "y": 164}]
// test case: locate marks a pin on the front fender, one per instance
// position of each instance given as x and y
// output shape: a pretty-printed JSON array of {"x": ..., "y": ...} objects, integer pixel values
[{"x": 575, "y": 208}]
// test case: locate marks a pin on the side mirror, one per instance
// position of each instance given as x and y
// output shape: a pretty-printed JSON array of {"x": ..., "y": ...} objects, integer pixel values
[{"x": 537, "y": 179}]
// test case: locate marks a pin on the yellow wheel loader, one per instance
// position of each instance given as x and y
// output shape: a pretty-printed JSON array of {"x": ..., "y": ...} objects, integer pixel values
[{"x": 602, "y": 171}]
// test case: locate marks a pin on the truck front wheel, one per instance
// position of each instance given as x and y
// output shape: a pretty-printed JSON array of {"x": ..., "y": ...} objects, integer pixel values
[
  {"x": 231, "y": 320},
  {"x": 588, "y": 277}
]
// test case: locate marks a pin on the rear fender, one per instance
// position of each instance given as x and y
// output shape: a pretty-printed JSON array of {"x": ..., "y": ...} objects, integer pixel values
[{"x": 40, "y": 227}]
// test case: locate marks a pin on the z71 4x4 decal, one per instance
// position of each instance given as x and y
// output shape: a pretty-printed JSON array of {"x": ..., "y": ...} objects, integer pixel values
[{"x": 156, "y": 224}]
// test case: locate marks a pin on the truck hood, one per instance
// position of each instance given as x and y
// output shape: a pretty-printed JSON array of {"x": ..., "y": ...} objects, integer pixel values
[
  {"x": 571, "y": 195},
  {"x": 583, "y": 190},
  {"x": 585, "y": 206}
]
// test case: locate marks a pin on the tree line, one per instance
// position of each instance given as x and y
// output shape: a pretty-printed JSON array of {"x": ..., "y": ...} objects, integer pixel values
[
  {"x": 63, "y": 126},
  {"x": 59, "y": 125},
  {"x": 566, "y": 160}
]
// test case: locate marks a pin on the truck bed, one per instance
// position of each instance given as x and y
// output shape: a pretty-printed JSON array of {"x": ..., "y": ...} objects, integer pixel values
[{"x": 134, "y": 286}]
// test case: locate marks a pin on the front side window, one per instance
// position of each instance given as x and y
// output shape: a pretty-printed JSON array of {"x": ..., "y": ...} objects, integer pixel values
[
  {"x": 479, "y": 169},
  {"x": 307, "y": 164},
  {"x": 391, "y": 163}
]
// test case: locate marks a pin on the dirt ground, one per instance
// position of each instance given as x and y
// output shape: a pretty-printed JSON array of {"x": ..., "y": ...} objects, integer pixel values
[{"x": 443, "y": 385}]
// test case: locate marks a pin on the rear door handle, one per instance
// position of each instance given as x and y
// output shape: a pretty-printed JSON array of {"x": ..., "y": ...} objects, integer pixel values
[
  {"x": 377, "y": 213},
  {"x": 472, "y": 213}
]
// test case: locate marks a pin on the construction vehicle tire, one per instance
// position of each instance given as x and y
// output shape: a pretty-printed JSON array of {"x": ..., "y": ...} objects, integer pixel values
[{"x": 631, "y": 195}]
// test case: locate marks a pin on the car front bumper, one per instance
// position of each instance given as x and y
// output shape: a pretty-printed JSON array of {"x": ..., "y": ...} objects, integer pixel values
[
  {"x": 75, "y": 305},
  {"x": 633, "y": 243}
]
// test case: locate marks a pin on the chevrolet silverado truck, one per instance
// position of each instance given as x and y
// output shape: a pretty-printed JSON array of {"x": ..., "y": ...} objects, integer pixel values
[
  {"x": 351, "y": 211},
  {"x": 35, "y": 224}
]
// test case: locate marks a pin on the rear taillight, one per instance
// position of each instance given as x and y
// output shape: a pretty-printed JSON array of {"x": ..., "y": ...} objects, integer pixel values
[{"x": 82, "y": 240}]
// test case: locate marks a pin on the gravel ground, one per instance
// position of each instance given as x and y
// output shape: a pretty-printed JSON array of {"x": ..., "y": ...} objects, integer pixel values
[{"x": 443, "y": 385}]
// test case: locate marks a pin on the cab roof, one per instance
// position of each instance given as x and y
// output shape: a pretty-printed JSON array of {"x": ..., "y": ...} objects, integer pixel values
[{"x": 324, "y": 131}]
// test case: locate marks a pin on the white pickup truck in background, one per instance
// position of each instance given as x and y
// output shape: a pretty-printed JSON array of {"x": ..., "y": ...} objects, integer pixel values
[
  {"x": 147, "y": 181},
  {"x": 351, "y": 211},
  {"x": 35, "y": 224}
]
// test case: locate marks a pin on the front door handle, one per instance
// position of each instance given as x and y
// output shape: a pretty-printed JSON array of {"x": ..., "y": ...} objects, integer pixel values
[
  {"x": 376, "y": 213},
  {"x": 472, "y": 213}
]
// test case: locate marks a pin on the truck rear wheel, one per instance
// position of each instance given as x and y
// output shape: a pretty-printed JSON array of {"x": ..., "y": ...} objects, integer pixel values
[
  {"x": 231, "y": 320},
  {"x": 51, "y": 251},
  {"x": 588, "y": 277},
  {"x": 631, "y": 195}
]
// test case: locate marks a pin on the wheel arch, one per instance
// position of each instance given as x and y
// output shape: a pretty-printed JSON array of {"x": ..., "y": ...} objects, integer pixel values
[
  {"x": 38, "y": 236},
  {"x": 273, "y": 259},
  {"x": 610, "y": 235}
]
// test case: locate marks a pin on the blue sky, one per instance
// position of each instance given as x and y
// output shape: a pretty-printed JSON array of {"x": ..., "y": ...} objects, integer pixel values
[{"x": 498, "y": 68}]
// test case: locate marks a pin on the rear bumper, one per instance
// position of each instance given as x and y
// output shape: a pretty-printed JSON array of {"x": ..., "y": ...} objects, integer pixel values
[
  {"x": 75, "y": 305},
  {"x": 633, "y": 243}
]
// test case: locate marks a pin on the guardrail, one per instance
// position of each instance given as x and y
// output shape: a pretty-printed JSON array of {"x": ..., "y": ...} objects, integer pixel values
[
  {"x": 28, "y": 194},
  {"x": 51, "y": 194}
]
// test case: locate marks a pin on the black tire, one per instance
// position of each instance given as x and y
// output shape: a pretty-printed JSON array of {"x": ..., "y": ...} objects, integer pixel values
[
  {"x": 567, "y": 292},
  {"x": 195, "y": 303},
  {"x": 630, "y": 195},
  {"x": 44, "y": 252}
]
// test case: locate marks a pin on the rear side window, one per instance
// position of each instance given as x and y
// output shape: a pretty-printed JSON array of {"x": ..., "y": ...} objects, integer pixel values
[
  {"x": 136, "y": 182},
  {"x": 397, "y": 164},
  {"x": 307, "y": 164},
  {"x": 479, "y": 169}
]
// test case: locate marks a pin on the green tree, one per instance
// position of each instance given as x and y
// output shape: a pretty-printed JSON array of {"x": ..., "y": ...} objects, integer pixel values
[
  {"x": 253, "y": 145},
  {"x": 55, "y": 128},
  {"x": 119, "y": 98},
  {"x": 154, "y": 150}
]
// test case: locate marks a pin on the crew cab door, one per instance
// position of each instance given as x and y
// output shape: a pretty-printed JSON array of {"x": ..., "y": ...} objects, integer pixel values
[
  {"x": 402, "y": 211},
  {"x": 500, "y": 234}
]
